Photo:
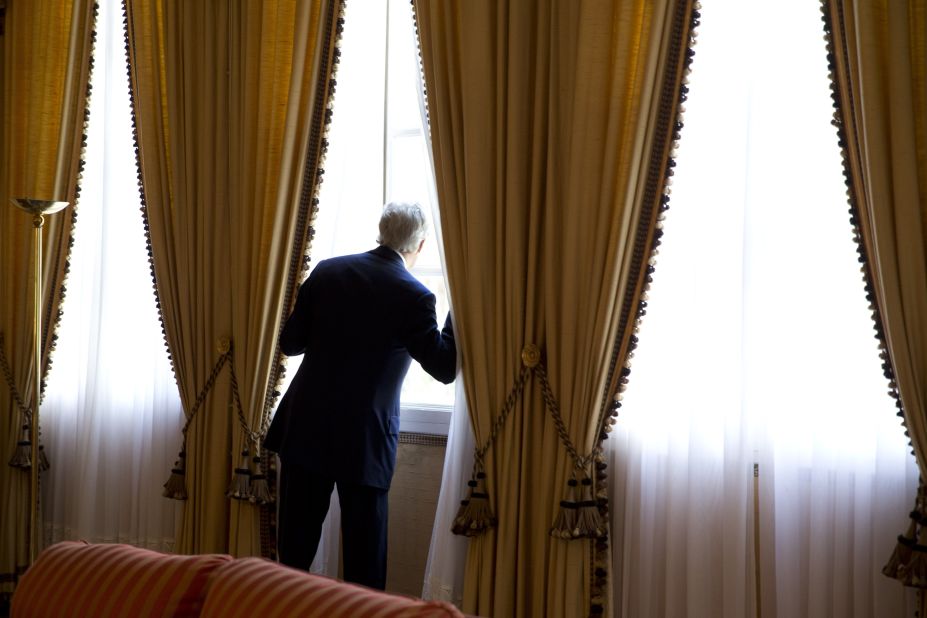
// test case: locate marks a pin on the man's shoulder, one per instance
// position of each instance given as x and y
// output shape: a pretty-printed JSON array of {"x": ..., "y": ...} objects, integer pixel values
[
  {"x": 340, "y": 262},
  {"x": 383, "y": 261}
]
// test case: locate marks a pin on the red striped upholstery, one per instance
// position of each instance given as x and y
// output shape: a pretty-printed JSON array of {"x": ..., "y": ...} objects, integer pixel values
[
  {"x": 252, "y": 587},
  {"x": 76, "y": 579}
]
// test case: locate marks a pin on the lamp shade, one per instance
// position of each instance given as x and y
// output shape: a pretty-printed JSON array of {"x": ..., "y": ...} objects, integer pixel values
[{"x": 38, "y": 207}]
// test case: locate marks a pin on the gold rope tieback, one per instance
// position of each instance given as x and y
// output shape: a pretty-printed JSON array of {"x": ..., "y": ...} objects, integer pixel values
[
  {"x": 475, "y": 515},
  {"x": 176, "y": 487},
  {"x": 249, "y": 481},
  {"x": 22, "y": 453},
  {"x": 579, "y": 515}
]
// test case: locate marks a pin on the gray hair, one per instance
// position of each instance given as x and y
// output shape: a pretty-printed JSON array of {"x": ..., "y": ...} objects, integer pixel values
[{"x": 402, "y": 227}]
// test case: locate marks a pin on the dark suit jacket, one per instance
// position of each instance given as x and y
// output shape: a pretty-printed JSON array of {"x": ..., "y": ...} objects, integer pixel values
[{"x": 360, "y": 320}]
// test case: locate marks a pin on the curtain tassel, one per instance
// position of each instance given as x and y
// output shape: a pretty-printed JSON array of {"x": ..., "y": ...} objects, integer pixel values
[
  {"x": 260, "y": 490},
  {"x": 176, "y": 487},
  {"x": 240, "y": 487},
  {"x": 474, "y": 516},
  {"x": 565, "y": 526},
  {"x": 914, "y": 572},
  {"x": 589, "y": 522},
  {"x": 904, "y": 550},
  {"x": 44, "y": 464},
  {"x": 22, "y": 454}
]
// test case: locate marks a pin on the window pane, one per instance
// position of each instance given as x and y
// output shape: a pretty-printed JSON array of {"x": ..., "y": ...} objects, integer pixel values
[
  {"x": 403, "y": 104},
  {"x": 420, "y": 387},
  {"x": 378, "y": 154}
]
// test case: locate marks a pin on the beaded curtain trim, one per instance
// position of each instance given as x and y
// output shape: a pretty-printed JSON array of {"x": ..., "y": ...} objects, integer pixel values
[
  {"x": 674, "y": 92},
  {"x": 908, "y": 562},
  {"x": 58, "y": 286},
  {"x": 300, "y": 255}
]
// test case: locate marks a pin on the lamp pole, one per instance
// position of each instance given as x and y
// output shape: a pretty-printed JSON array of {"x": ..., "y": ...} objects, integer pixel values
[{"x": 38, "y": 209}]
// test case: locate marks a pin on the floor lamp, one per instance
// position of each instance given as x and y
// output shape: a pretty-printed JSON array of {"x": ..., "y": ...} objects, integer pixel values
[{"x": 38, "y": 209}]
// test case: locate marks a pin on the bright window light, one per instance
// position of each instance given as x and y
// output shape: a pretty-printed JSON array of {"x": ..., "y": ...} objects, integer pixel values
[
  {"x": 378, "y": 154},
  {"x": 758, "y": 308},
  {"x": 112, "y": 414},
  {"x": 758, "y": 348}
]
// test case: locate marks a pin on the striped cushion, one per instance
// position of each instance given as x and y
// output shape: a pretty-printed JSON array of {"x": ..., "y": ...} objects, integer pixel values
[
  {"x": 77, "y": 579},
  {"x": 251, "y": 587}
]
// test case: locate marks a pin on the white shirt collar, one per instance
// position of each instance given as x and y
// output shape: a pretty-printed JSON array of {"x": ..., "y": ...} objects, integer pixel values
[{"x": 404, "y": 263}]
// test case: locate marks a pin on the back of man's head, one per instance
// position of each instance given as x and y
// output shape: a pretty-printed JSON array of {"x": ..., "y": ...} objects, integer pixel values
[{"x": 402, "y": 227}]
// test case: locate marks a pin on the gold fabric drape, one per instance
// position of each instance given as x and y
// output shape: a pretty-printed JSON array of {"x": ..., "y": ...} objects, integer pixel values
[
  {"x": 44, "y": 68},
  {"x": 879, "y": 60},
  {"x": 551, "y": 125},
  {"x": 228, "y": 99}
]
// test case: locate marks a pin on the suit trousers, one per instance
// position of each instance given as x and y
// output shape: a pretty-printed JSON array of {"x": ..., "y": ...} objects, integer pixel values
[{"x": 304, "y": 500}]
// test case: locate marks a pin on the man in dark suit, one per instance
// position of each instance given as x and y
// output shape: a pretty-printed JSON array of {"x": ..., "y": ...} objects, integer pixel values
[{"x": 359, "y": 320}]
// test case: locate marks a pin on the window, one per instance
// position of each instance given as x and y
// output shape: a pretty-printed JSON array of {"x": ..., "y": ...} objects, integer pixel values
[
  {"x": 758, "y": 347},
  {"x": 378, "y": 153},
  {"x": 112, "y": 414}
]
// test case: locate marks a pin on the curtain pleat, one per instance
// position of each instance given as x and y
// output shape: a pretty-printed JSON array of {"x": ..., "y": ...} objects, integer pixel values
[
  {"x": 879, "y": 60},
  {"x": 551, "y": 125},
  {"x": 229, "y": 107},
  {"x": 44, "y": 66}
]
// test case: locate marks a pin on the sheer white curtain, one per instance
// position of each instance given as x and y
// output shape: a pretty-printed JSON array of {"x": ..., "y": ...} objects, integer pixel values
[
  {"x": 758, "y": 348},
  {"x": 447, "y": 553},
  {"x": 112, "y": 415}
]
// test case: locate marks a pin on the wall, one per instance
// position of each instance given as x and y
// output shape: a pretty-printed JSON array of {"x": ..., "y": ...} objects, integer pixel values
[{"x": 413, "y": 498}]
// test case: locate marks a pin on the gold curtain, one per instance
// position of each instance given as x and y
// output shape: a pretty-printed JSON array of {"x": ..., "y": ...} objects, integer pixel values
[
  {"x": 229, "y": 107},
  {"x": 878, "y": 55},
  {"x": 552, "y": 124},
  {"x": 44, "y": 67}
]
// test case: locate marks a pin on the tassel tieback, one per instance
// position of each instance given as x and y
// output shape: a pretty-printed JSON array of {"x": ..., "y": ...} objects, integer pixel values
[
  {"x": 908, "y": 563},
  {"x": 44, "y": 464},
  {"x": 474, "y": 515},
  {"x": 260, "y": 489},
  {"x": 176, "y": 487},
  {"x": 565, "y": 526},
  {"x": 22, "y": 454},
  {"x": 240, "y": 487},
  {"x": 578, "y": 519}
]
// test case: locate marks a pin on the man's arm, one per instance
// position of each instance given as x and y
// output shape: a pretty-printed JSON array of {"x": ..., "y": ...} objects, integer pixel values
[
  {"x": 295, "y": 335},
  {"x": 435, "y": 350}
]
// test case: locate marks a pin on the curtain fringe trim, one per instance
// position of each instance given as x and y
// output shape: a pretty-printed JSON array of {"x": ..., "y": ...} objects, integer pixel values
[
  {"x": 908, "y": 563},
  {"x": 140, "y": 179},
  {"x": 839, "y": 123},
  {"x": 672, "y": 105},
  {"x": 49, "y": 325},
  {"x": 302, "y": 246},
  {"x": 313, "y": 176}
]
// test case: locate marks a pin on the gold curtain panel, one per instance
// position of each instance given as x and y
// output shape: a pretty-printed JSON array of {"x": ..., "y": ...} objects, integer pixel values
[
  {"x": 44, "y": 68},
  {"x": 879, "y": 59},
  {"x": 228, "y": 99},
  {"x": 551, "y": 125}
]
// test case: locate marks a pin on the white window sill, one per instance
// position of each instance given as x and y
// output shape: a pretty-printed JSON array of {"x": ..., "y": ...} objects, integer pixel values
[{"x": 424, "y": 418}]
